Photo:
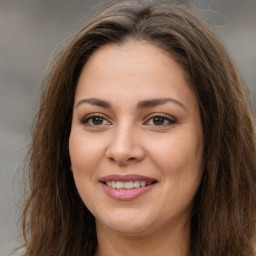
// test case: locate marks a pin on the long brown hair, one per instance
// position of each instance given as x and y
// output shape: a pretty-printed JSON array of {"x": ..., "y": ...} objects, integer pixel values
[{"x": 55, "y": 220}]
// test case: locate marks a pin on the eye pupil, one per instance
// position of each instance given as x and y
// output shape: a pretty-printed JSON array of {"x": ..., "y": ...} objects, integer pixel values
[
  {"x": 97, "y": 120},
  {"x": 158, "y": 120}
]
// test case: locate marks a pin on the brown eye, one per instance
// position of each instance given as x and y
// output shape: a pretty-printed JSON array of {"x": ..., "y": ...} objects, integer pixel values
[
  {"x": 158, "y": 120},
  {"x": 97, "y": 120},
  {"x": 94, "y": 120}
]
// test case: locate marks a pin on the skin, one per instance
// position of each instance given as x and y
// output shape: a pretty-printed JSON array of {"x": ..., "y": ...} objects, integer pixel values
[{"x": 131, "y": 140}]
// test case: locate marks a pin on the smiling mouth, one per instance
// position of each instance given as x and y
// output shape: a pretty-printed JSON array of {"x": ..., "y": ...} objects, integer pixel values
[
  {"x": 128, "y": 184},
  {"x": 127, "y": 187}
]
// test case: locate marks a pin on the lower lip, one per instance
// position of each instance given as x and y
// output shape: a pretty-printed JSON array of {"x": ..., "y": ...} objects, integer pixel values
[{"x": 126, "y": 194}]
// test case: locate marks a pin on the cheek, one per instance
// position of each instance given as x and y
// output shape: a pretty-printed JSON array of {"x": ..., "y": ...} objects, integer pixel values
[
  {"x": 85, "y": 152},
  {"x": 179, "y": 159},
  {"x": 177, "y": 152}
]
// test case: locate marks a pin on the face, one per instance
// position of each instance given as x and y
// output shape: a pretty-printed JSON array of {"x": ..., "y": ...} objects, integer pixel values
[{"x": 136, "y": 142}]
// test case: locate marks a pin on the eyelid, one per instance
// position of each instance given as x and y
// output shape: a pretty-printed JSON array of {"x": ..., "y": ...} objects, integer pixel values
[
  {"x": 87, "y": 117},
  {"x": 171, "y": 120},
  {"x": 84, "y": 119}
]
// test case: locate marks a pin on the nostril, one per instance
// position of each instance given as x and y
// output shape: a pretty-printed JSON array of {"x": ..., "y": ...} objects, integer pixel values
[
  {"x": 126, "y": 161},
  {"x": 132, "y": 158},
  {"x": 112, "y": 159}
]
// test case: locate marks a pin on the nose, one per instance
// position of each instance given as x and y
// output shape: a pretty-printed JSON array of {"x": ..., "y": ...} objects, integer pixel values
[{"x": 125, "y": 146}]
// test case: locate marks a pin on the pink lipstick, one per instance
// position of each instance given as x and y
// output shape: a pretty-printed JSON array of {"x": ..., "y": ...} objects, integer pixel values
[{"x": 127, "y": 187}]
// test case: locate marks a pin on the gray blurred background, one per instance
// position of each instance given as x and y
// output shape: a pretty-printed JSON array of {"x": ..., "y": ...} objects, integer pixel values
[{"x": 31, "y": 31}]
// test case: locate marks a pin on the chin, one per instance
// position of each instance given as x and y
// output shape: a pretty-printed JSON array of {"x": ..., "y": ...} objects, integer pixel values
[{"x": 129, "y": 224}]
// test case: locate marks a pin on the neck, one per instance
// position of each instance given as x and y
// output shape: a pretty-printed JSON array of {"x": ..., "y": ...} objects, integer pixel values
[{"x": 171, "y": 242}]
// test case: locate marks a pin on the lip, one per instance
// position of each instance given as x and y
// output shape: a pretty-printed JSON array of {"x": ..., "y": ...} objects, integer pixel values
[
  {"x": 128, "y": 177},
  {"x": 126, "y": 194}
]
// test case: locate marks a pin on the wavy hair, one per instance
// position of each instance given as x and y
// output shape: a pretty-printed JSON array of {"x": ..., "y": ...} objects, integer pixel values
[{"x": 56, "y": 221}]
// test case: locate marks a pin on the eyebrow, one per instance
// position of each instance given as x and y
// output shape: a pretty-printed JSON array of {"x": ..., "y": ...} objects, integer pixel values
[
  {"x": 156, "y": 102},
  {"x": 140, "y": 105},
  {"x": 96, "y": 102}
]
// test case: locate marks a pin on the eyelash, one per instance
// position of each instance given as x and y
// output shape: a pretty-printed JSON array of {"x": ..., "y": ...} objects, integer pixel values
[
  {"x": 170, "y": 120},
  {"x": 88, "y": 119},
  {"x": 85, "y": 120}
]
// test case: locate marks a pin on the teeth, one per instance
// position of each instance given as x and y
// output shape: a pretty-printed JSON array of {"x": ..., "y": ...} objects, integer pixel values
[
  {"x": 119, "y": 185},
  {"x": 136, "y": 184},
  {"x": 143, "y": 183},
  {"x": 113, "y": 184},
  {"x": 127, "y": 184}
]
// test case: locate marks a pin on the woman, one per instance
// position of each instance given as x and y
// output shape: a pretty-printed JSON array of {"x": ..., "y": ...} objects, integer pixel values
[{"x": 144, "y": 142}]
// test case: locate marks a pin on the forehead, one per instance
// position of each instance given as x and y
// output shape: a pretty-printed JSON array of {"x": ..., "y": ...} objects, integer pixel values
[{"x": 135, "y": 69}]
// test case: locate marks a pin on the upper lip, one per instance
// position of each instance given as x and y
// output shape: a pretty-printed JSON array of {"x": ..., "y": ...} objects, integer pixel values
[{"x": 127, "y": 177}]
